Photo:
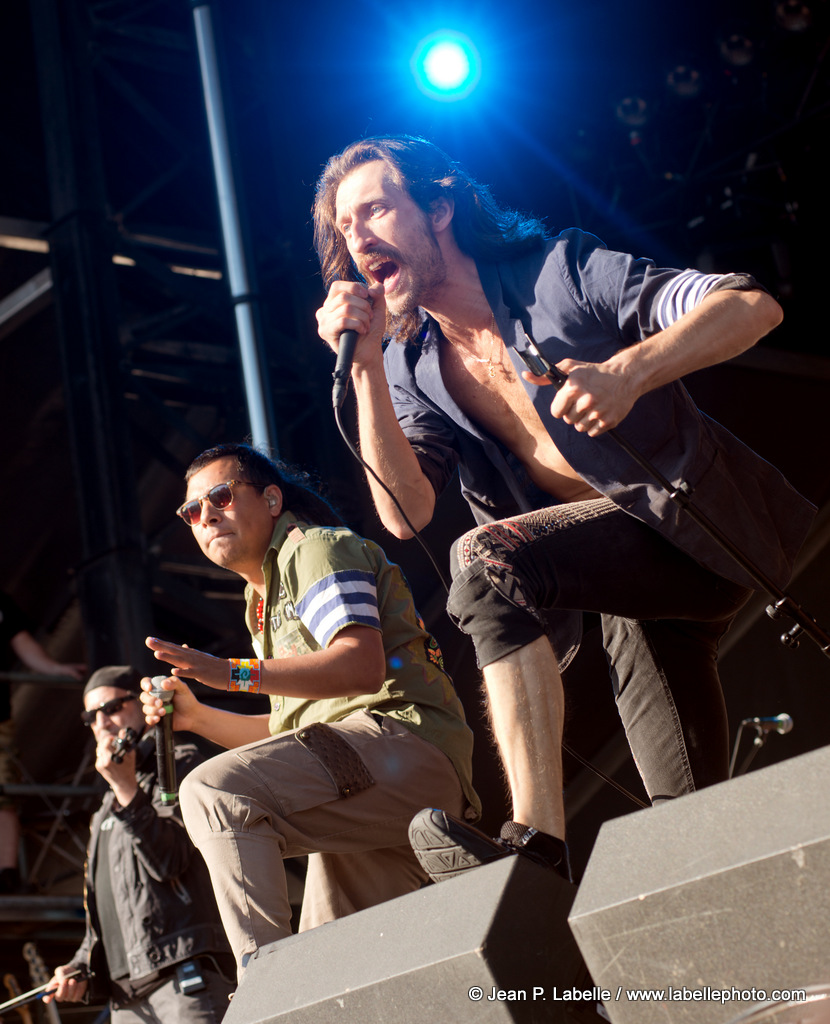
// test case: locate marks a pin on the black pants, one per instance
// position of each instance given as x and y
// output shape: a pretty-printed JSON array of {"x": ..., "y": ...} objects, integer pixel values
[{"x": 663, "y": 616}]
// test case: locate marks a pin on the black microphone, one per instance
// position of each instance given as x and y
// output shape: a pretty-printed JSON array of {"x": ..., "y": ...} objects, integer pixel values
[
  {"x": 165, "y": 755},
  {"x": 123, "y": 744},
  {"x": 778, "y": 723},
  {"x": 343, "y": 367}
]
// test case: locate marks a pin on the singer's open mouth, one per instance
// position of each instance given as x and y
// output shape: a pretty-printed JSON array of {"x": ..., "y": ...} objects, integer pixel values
[{"x": 382, "y": 270}]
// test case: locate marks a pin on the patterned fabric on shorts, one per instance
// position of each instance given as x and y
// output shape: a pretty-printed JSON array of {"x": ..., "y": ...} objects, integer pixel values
[{"x": 495, "y": 545}]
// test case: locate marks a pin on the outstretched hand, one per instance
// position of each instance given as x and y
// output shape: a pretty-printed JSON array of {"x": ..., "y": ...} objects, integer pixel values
[{"x": 190, "y": 663}]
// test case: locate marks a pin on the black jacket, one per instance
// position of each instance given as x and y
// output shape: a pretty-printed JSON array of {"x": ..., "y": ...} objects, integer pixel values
[{"x": 160, "y": 883}]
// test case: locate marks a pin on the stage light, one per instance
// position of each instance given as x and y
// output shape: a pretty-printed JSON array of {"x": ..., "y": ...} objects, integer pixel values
[
  {"x": 633, "y": 111},
  {"x": 446, "y": 65},
  {"x": 793, "y": 15},
  {"x": 736, "y": 48},
  {"x": 684, "y": 80}
]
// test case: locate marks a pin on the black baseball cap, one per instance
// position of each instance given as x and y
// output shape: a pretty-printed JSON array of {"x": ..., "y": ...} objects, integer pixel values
[{"x": 122, "y": 677}]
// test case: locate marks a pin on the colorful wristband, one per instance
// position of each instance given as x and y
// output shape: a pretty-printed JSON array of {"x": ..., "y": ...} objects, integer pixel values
[{"x": 245, "y": 675}]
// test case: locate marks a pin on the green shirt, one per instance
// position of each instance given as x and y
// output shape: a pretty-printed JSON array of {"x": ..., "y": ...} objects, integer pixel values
[{"x": 320, "y": 580}]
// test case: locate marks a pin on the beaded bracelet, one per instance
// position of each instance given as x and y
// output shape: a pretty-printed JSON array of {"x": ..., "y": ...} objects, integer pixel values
[{"x": 245, "y": 675}]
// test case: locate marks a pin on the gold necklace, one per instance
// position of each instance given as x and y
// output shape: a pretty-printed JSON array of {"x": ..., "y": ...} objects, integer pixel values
[{"x": 491, "y": 366}]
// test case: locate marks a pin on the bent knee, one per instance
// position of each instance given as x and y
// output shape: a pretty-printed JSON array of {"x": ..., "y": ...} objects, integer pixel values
[
  {"x": 193, "y": 800},
  {"x": 221, "y": 796},
  {"x": 207, "y": 795},
  {"x": 469, "y": 549}
]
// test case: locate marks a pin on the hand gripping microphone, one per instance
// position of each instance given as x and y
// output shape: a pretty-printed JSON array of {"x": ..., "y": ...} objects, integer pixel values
[
  {"x": 343, "y": 367},
  {"x": 165, "y": 756}
]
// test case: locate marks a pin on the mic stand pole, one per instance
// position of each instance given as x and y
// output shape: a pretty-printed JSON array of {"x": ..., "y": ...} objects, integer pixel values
[
  {"x": 784, "y": 604},
  {"x": 757, "y": 743},
  {"x": 681, "y": 495}
]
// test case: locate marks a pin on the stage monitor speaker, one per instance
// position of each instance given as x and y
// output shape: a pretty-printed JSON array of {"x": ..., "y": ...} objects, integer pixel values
[
  {"x": 698, "y": 908},
  {"x": 812, "y": 1007},
  {"x": 489, "y": 946}
]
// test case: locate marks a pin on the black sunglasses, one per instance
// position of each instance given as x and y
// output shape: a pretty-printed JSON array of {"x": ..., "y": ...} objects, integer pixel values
[
  {"x": 111, "y": 707},
  {"x": 220, "y": 497}
]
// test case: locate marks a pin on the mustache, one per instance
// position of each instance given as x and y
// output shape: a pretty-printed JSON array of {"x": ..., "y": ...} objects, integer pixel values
[{"x": 386, "y": 252}]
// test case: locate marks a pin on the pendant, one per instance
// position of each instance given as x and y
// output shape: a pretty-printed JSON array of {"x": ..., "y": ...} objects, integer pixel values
[{"x": 491, "y": 370}]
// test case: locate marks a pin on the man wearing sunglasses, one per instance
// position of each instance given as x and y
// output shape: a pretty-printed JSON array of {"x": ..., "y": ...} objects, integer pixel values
[
  {"x": 154, "y": 945},
  {"x": 365, "y": 727}
]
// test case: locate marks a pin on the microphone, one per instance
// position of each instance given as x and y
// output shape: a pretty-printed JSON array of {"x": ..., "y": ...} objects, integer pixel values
[
  {"x": 165, "y": 757},
  {"x": 343, "y": 367},
  {"x": 778, "y": 723},
  {"x": 123, "y": 744}
]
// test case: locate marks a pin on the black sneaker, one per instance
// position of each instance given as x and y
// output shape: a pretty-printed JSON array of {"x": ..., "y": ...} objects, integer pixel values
[{"x": 446, "y": 847}]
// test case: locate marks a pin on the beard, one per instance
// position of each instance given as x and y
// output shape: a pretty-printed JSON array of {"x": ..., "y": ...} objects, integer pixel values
[{"x": 426, "y": 272}]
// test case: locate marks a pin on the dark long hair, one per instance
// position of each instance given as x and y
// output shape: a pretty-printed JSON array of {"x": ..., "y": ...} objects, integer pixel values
[
  {"x": 298, "y": 490},
  {"x": 482, "y": 228}
]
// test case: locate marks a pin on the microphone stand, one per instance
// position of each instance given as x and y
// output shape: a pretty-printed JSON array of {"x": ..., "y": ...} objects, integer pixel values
[
  {"x": 757, "y": 743},
  {"x": 681, "y": 495},
  {"x": 761, "y": 736}
]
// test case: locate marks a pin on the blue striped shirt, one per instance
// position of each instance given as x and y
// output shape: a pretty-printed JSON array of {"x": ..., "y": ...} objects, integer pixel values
[
  {"x": 344, "y": 598},
  {"x": 682, "y": 294}
]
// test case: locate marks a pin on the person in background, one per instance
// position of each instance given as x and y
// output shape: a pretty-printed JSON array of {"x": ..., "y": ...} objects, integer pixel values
[
  {"x": 17, "y": 643},
  {"x": 154, "y": 945}
]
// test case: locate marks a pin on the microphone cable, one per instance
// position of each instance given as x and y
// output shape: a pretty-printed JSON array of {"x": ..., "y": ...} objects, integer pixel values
[{"x": 416, "y": 535}]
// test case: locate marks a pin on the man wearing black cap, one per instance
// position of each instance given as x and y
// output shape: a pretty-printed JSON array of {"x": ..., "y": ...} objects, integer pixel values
[{"x": 154, "y": 945}]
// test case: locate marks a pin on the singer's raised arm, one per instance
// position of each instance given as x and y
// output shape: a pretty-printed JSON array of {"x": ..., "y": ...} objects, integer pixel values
[{"x": 383, "y": 446}]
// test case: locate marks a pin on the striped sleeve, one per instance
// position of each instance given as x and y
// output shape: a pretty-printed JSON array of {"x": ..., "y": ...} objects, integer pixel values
[
  {"x": 682, "y": 293},
  {"x": 345, "y": 598}
]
